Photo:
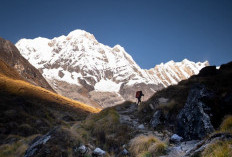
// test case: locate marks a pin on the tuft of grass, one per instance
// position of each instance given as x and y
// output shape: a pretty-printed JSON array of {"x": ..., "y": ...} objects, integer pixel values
[
  {"x": 218, "y": 149},
  {"x": 145, "y": 145},
  {"x": 145, "y": 154},
  {"x": 226, "y": 125}
]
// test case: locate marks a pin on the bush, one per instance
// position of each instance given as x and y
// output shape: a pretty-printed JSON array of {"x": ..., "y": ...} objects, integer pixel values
[{"x": 146, "y": 146}]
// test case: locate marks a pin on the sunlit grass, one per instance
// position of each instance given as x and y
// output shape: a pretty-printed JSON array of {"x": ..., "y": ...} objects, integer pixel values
[
  {"x": 22, "y": 88},
  {"x": 146, "y": 146},
  {"x": 218, "y": 149}
]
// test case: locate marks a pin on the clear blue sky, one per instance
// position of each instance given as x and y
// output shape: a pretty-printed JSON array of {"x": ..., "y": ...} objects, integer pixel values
[{"x": 152, "y": 31}]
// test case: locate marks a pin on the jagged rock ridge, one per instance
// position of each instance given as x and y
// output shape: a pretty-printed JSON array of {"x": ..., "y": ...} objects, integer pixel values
[{"x": 80, "y": 67}]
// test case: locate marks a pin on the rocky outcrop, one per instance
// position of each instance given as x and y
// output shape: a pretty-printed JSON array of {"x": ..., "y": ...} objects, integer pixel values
[
  {"x": 11, "y": 55},
  {"x": 193, "y": 121},
  {"x": 37, "y": 143}
]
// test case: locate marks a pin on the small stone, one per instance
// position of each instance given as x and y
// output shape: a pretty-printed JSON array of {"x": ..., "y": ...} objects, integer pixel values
[
  {"x": 176, "y": 138},
  {"x": 141, "y": 126},
  {"x": 125, "y": 152},
  {"x": 82, "y": 149},
  {"x": 151, "y": 106}
]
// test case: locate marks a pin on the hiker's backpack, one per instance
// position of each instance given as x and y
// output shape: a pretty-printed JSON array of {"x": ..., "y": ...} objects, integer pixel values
[{"x": 138, "y": 94}]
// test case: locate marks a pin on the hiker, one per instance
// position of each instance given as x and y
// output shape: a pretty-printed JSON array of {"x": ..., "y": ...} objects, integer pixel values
[{"x": 138, "y": 95}]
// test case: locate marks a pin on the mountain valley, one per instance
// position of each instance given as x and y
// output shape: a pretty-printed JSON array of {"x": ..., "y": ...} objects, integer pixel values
[{"x": 72, "y": 96}]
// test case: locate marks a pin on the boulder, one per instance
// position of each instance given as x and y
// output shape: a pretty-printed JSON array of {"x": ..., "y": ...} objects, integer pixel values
[
  {"x": 141, "y": 126},
  {"x": 192, "y": 121},
  {"x": 82, "y": 149},
  {"x": 37, "y": 143},
  {"x": 98, "y": 153},
  {"x": 125, "y": 152},
  {"x": 176, "y": 138}
]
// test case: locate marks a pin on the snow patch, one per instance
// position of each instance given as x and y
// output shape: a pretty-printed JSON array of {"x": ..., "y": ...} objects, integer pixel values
[{"x": 107, "y": 86}]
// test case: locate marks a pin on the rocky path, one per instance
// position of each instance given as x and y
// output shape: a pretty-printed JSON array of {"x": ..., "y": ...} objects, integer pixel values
[{"x": 129, "y": 117}]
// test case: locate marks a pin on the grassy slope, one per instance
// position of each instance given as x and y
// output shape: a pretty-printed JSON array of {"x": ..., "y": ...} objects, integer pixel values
[
  {"x": 27, "y": 90},
  {"x": 27, "y": 111},
  {"x": 12, "y": 83}
]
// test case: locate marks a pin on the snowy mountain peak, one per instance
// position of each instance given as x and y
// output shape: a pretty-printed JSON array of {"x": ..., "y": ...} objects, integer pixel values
[
  {"x": 79, "y": 60},
  {"x": 81, "y": 34}
]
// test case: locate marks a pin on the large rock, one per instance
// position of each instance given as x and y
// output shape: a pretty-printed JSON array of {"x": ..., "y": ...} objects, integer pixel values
[
  {"x": 193, "y": 122},
  {"x": 176, "y": 138}
]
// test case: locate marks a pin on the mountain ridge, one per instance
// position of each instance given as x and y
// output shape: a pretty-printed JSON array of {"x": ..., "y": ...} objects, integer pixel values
[
  {"x": 86, "y": 67},
  {"x": 11, "y": 55}
]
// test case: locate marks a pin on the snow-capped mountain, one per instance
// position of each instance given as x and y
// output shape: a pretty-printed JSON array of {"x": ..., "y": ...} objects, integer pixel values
[
  {"x": 173, "y": 72},
  {"x": 80, "y": 67}
]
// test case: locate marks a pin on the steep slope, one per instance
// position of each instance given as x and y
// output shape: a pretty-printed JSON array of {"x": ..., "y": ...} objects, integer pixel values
[
  {"x": 10, "y": 54},
  {"x": 80, "y": 67},
  {"x": 27, "y": 111},
  {"x": 10, "y": 83}
]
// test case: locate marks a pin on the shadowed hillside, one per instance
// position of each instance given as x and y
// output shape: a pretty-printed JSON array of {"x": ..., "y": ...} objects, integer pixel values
[{"x": 27, "y": 111}]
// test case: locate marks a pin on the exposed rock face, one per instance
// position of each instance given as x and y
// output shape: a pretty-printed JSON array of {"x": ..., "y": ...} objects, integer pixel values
[
  {"x": 156, "y": 119},
  {"x": 37, "y": 144},
  {"x": 79, "y": 60},
  {"x": 54, "y": 143},
  {"x": 193, "y": 121},
  {"x": 10, "y": 54}
]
